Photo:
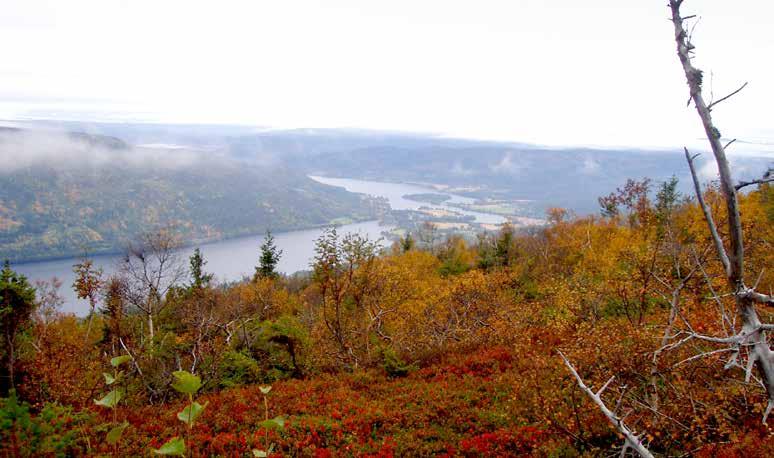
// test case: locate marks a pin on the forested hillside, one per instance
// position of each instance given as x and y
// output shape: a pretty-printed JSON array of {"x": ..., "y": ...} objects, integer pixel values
[{"x": 79, "y": 193}]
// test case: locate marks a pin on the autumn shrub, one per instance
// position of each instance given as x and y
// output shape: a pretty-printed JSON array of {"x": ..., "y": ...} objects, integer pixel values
[
  {"x": 500, "y": 442},
  {"x": 393, "y": 365},
  {"x": 756, "y": 443},
  {"x": 284, "y": 343},
  {"x": 60, "y": 366},
  {"x": 237, "y": 369},
  {"x": 54, "y": 430}
]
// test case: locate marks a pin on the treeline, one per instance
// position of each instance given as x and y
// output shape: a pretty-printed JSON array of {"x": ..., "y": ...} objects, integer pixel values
[{"x": 618, "y": 294}]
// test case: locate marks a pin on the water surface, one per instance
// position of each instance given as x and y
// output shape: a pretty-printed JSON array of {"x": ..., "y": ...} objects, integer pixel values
[
  {"x": 394, "y": 193},
  {"x": 229, "y": 260}
]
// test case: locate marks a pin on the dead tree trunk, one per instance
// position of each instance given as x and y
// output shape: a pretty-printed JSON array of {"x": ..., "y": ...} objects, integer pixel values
[{"x": 753, "y": 332}]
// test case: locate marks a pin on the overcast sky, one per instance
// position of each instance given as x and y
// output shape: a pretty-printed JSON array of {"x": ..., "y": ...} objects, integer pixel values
[{"x": 559, "y": 72}]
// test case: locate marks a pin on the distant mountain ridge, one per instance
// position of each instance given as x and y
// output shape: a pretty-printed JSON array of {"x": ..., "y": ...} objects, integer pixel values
[{"x": 220, "y": 181}]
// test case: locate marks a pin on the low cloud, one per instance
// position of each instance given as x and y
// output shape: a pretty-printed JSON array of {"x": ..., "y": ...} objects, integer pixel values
[
  {"x": 509, "y": 165},
  {"x": 20, "y": 149},
  {"x": 590, "y": 166},
  {"x": 459, "y": 169},
  {"x": 742, "y": 168}
]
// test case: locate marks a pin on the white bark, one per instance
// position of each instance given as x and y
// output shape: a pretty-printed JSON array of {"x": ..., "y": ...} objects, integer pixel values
[
  {"x": 753, "y": 334},
  {"x": 633, "y": 441}
]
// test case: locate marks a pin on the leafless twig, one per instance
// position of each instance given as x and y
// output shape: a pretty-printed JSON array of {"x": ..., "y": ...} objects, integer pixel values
[{"x": 633, "y": 441}]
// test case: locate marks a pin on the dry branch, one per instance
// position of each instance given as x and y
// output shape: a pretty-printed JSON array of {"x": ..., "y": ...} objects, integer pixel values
[
  {"x": 632, "y": 440},
  {"x": 743, "y": 184},
  {"x": 712, "y": 104}
]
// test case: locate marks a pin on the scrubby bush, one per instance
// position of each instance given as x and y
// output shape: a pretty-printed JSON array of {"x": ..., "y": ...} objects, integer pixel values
[{"x": 54, "y": 431}]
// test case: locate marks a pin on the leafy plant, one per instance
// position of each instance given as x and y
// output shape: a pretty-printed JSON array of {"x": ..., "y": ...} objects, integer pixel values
[
  {"x": 188, "y": 384},
  {"x": 112, "y": 399},
  {"x": 267, "y": 424},
  {"x": 173, "y": 447}
]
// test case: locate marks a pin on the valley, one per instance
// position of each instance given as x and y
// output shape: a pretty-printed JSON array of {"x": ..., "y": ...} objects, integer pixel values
[{"x": 234, "y": 259}]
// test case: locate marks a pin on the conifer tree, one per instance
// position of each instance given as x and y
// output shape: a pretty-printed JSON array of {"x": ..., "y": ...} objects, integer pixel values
[
  {"x": 270, "y": 256},
  {"x": 407, "y": 243},
  {"x": 200, "y": 278},
  {"x": 17, "y": 302}
]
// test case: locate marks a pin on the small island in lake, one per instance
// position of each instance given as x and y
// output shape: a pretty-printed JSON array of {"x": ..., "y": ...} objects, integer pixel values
[{"x": 429, "y": 197}]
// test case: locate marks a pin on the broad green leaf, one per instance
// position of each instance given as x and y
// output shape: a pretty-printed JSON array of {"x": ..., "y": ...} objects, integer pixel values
[
  {"x": 191, "y": 412},
  {"x": 109, "y": 379},
  {"x": 274, "y": 423},
  {"x": 118, "y": 360},
  {"x": 174, "y": 446},
  {"x": 265, "y": 389},
  {"x": 110, "y": 400},
  {"x": 185, "y": 382},
  {"x": 115, "y": 434}
]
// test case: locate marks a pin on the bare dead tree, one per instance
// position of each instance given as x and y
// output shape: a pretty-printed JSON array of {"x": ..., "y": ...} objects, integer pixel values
[
  {"x": 751, "y": 339},
  {"x": 199, "y": 315},
  {"x": 47, "y": 308},
  {"x": 150, "y": 267}
]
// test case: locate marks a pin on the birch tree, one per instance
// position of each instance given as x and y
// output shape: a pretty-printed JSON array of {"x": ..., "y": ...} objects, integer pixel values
[{"x": 150, "y": 267}]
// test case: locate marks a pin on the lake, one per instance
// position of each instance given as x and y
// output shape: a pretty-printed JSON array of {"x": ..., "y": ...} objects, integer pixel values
[
  {"x": 233, "y": 259},
  {"x": 394, "y": 193}
]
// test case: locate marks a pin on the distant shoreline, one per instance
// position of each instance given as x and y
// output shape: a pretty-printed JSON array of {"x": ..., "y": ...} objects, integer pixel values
[{"x": 190, "y": 244}]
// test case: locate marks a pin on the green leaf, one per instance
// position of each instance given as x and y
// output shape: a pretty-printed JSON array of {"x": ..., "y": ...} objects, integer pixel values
[
  {"x": 186, "y": 382},
  {"x": 109, "y": 379},
  {"x": 114, "y": 435},
  {"x": 265, "y": 389},
  {"x": 174, "y": 446},
  {"x": 110, "y": 400},
  {"x": 191, "y": 412},
  {"x": 274, "y": 423},
  {"x": 118, "y": 360}
]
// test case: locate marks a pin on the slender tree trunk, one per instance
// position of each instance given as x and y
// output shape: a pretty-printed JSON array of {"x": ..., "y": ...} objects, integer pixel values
[
  {"x": 10, "y": 360},
  {"x": 91, "y": 319},
  {"x": 150, "y": 326}
]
